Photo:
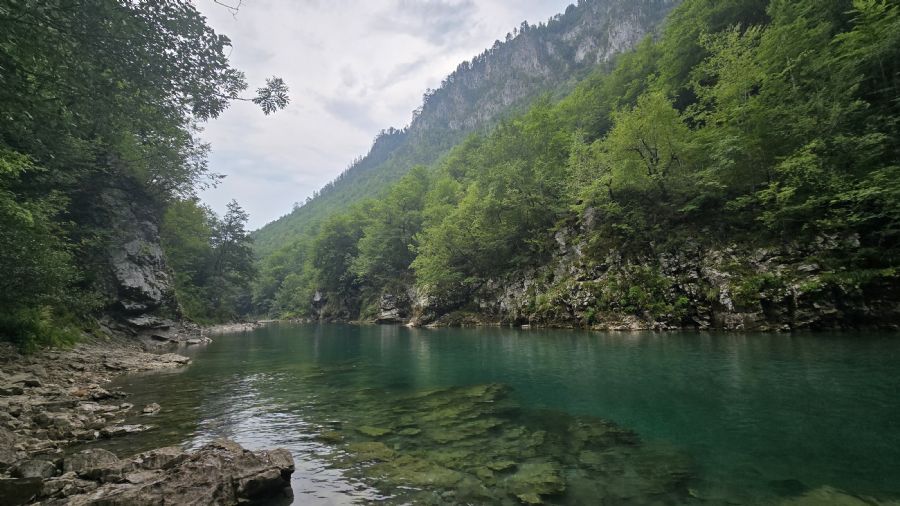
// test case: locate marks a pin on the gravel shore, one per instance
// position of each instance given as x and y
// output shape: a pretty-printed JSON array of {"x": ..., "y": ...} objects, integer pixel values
[{"x": 55, "y": 398}]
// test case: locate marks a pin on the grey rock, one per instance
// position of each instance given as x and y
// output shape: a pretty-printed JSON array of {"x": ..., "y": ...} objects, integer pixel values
[
  {"x": 392, "y": 308},
  {"x": 219, "y": 473},
  {"x": 66, "y": 485},
  {"x": 122, "y": 430},
  {"x": 34, "y": 468},
  {"x": 24, "y": 379},
  {"x": 175, "y": 359},
  {"x": 99, "y": 394},
  {"x": 10, "y": 390},
  {"x": 93, "y": 464},
  {"x": 150, "y": 409},
  {"x": 150, "y": 322},
  {"x": 161, "y": 458}
]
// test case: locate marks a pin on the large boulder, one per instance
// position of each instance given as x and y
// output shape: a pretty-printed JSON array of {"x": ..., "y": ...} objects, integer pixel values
[
  {"x": 219, "y": 473},
  {"x": 137, "y": 282},
  {"x": 34, "y": 468},
  {"x": 94, "y": 464}
]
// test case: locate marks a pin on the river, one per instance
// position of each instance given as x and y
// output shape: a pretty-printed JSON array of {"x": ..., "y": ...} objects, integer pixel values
[{"x": 565, "y": 417}]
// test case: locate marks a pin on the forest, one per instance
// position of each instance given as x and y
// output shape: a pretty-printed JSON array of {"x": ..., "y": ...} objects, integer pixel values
[
  {"x": 748, "y": 122},
  {"x": 102, "y": 94}
]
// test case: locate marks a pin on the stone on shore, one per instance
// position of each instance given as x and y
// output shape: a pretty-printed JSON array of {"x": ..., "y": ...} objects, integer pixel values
[{"x": 221, "y": 472}]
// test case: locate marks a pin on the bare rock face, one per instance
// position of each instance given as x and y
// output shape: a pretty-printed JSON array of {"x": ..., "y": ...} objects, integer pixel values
[
  {"x": 140, "y": 281},
  {"x": 219, "y": 473},
  {"x": 393, "y": 308},
  {"x": 727, "y": 287},
  {"x": 137, "y": 281}
]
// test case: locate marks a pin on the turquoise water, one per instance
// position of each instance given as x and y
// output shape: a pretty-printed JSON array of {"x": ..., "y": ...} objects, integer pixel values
[{"x": 759, "y": 418}]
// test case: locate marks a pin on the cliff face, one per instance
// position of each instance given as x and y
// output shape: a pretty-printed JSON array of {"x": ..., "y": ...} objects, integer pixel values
[
  {"x": 131, "y": 270},
  {"x": 727, "y": 287},
  {"x": 539, "y": 58},
  {"x": 138, "y": 278}
]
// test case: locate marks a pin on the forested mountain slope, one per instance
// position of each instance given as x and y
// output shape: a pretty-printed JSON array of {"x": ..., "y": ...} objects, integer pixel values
[
  {"x": 738, "y": 172},
  {"x": 531, "y": 60}
]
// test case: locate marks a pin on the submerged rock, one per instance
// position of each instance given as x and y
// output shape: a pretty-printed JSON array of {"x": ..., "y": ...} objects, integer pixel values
[
  {"x": 122, "y": 430},
  {"x": 469, "y": 445},
  {"x": 373, "y": 431},
  {"x": 150, "y": 409},
  {"x": 832, "y": 497}
]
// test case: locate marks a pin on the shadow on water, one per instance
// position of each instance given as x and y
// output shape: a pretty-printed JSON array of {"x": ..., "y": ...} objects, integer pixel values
[{"x": 561, "y": 417}]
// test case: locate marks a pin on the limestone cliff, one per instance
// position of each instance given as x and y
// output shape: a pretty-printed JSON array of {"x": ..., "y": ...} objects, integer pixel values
[
  {"x": 131, "y": 271},
  {"x": 723, "y": 287}
]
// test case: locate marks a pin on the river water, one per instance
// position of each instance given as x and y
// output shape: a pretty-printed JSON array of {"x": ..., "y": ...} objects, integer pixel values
[{"x": 496, "y": 415}]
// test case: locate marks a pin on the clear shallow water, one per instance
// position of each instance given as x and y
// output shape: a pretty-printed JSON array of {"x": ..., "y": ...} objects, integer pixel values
[{"x": 753, "y": 418}]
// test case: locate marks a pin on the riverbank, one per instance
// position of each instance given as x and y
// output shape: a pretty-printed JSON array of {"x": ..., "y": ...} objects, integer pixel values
[
  {"x": 228, "y": 328},
  {"x": 55, "y": 398}
]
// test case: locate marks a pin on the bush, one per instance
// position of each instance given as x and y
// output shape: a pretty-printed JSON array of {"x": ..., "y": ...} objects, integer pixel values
[{"x": 30, "y": 329}]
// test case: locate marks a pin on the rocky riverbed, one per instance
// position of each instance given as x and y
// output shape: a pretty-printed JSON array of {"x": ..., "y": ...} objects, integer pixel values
[{"x": 56, "y": 398}]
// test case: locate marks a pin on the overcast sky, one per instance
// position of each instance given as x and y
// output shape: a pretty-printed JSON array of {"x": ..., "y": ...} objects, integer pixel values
[{"x": 354, "y": 67}]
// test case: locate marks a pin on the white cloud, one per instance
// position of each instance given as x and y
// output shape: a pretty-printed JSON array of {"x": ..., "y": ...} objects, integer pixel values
[{"x": 354, "y": 67}]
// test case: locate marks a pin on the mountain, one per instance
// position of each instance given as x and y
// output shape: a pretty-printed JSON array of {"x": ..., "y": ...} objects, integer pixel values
[
  {"x": 697, "y": 181},
  {"x": 534, "y": 59}
]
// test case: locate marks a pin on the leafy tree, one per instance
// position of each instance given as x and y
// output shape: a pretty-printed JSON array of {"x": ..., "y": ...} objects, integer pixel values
[
  {"x": 212, "y": 259},
  {"x": 98, "y": 93},
  {"x": 648, "y": 148},
  {"x": 385, "y": 250}
]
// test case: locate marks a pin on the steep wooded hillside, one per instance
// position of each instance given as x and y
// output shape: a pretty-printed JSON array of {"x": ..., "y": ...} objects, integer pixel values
[
  {"x": 737, "y": 172},
  {"x": 501, "y": 80}
]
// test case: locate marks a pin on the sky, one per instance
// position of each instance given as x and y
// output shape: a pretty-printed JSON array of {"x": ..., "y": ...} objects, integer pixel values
[{"x": 354, "y": 67}]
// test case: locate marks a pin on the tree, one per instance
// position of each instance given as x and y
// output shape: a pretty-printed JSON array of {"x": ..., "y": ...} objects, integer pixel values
[
  {"x": 95, "y": 93},
  {"x": 648, "y": 145},
  {"x": 385, "y": 249},
  {"x": 212, "y": 258},
  {"x": 232, "y": 268}
]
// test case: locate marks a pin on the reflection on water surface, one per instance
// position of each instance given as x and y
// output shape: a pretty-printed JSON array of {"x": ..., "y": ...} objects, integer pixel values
[{"x": 562, "y": 417}]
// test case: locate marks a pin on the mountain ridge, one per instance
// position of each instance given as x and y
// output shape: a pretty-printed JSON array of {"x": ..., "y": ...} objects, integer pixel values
[{"x": 534, "y": 59}]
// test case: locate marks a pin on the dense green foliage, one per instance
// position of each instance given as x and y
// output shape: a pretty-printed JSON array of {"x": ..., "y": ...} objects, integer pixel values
[
  {"x": 748, "y": 121},
  {"x": 95, "y": 94},
  {"x": 211, "y": 258}
]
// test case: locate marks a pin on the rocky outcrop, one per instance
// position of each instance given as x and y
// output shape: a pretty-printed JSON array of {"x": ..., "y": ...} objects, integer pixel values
[
  {"x": 139, "y": 281},
  {"x": 136, "y": 280},
  {"x": 725, "y": 287},
  {"x": 538, "y": 57},
  {"x": 393, "y": 308},
  {"x": 221, "y": 472},
  {"x": 54, "y": 399}
]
